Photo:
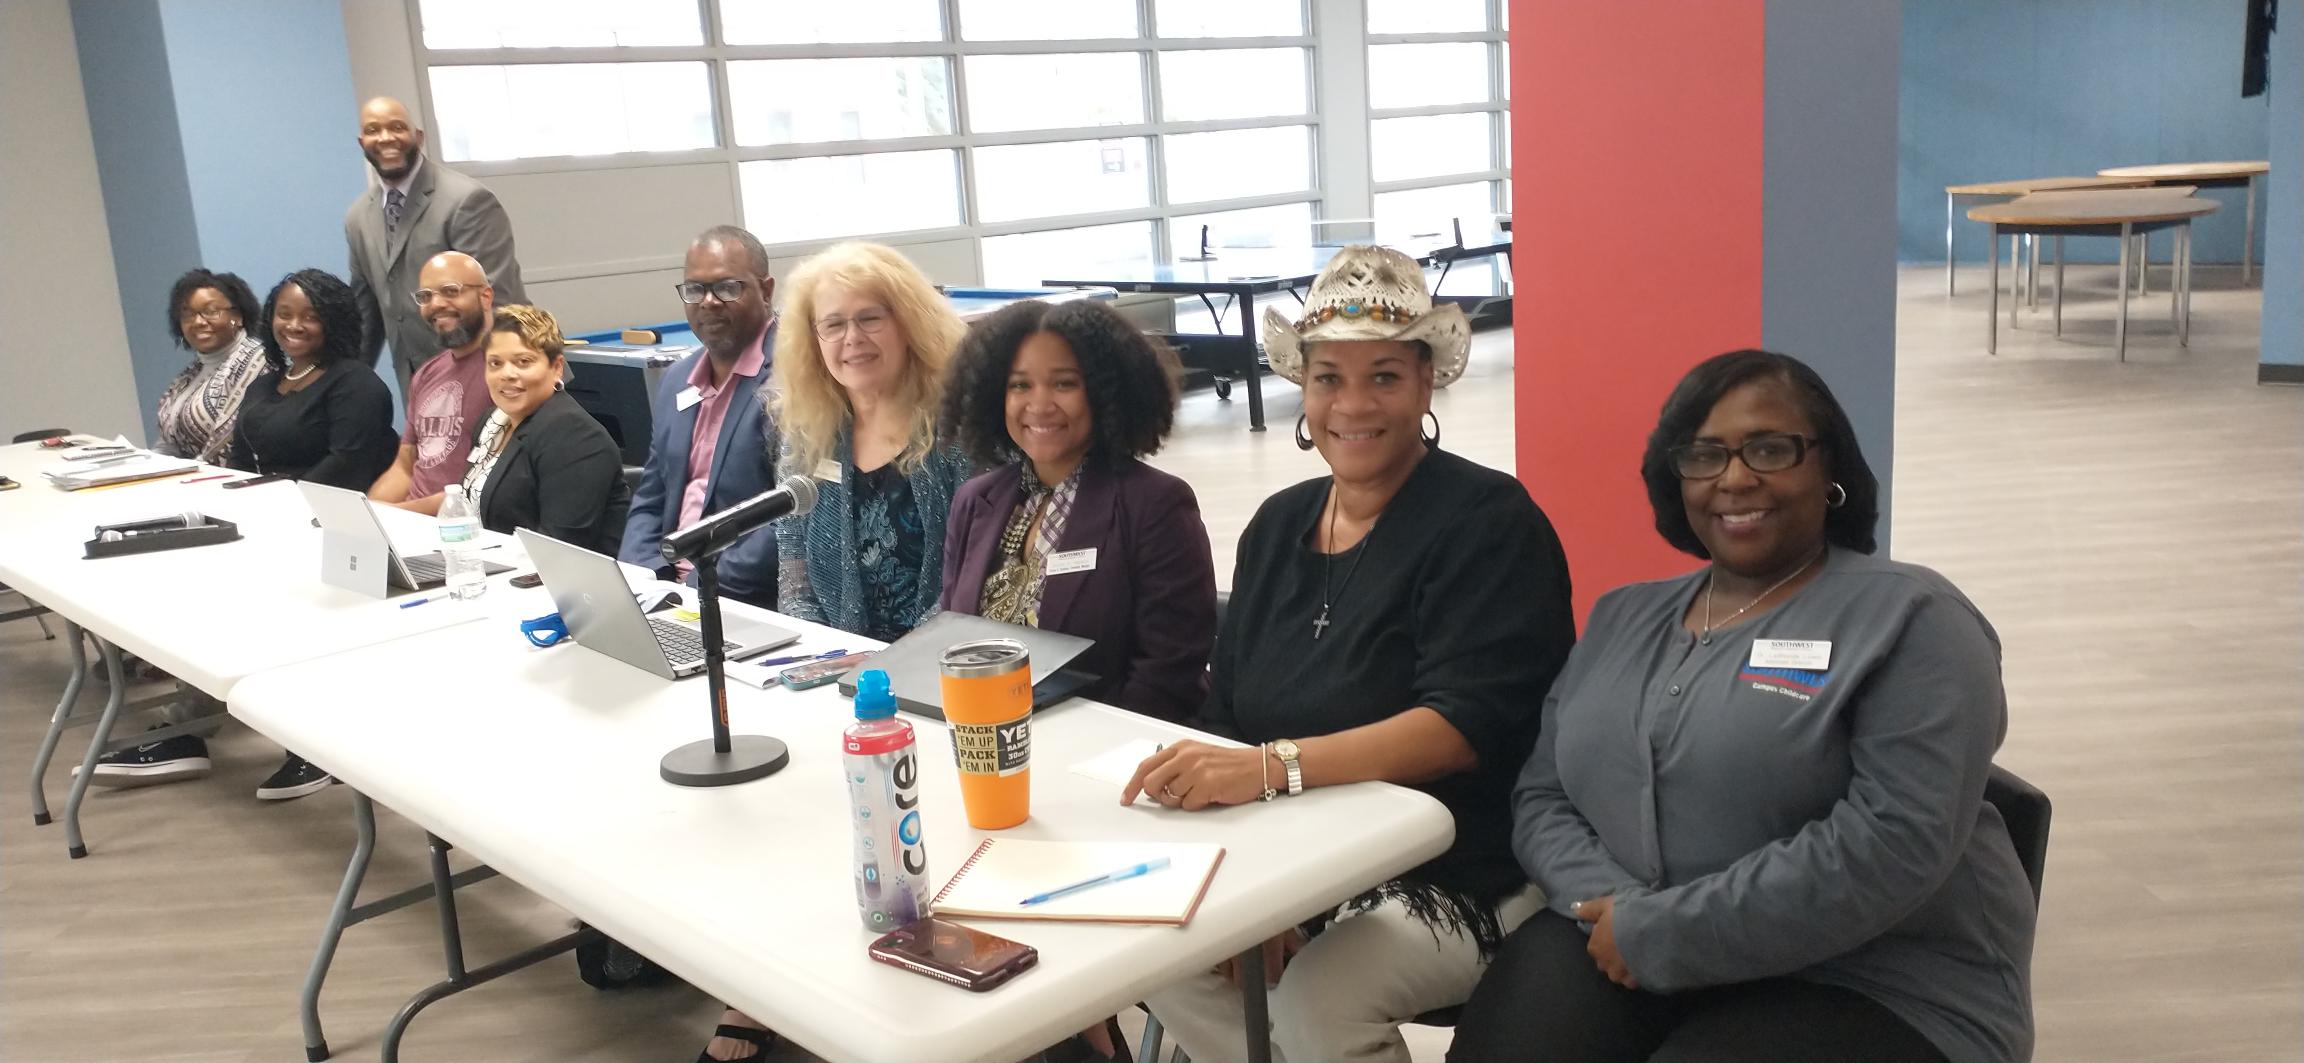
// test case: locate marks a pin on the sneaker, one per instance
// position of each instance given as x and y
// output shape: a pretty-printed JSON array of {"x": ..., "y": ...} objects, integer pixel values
[
  {"x": 165, "y": 761},
  {"x": 295, "y": 778}
]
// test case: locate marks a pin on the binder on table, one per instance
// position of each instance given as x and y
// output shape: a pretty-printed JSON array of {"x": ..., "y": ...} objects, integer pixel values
[{"x": 996, "y": 878}]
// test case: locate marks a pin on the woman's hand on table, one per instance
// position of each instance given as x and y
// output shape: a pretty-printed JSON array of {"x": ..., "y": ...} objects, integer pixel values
[{"x": 1193, "y": 775}]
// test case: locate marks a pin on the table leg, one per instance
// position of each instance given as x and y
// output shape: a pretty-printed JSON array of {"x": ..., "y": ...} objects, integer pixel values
[
  {"x": 1251, "y": 364},
  {"x": 2176, "y": 281},
  {"x": 1992, "y": 314},
  {"x": 1255, "y": 1007},
  {"x": 2015, "y": 275},
  {"x": 2143, "y": 264},
  {"x": 364, "y": 822},
  {"x": 1948, "y": 286},
  {"x": 2059, "y": 285},
  {"x": 2032, "y": 274},
  {"x": 2184, "y": 282},
  {"x": 2248, "y": 236},
  {"x": 2120, "y": 327},
  {"x": 59, "y": 723},
  {"x": 74, "y": 845}
]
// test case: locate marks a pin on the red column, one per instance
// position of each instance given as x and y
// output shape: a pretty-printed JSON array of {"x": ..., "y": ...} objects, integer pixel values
[{"x": 1637, "y": 192}]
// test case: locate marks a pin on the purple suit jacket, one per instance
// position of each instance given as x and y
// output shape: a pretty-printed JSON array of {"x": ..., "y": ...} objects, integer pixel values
[{"x": 1150, "y": 602}]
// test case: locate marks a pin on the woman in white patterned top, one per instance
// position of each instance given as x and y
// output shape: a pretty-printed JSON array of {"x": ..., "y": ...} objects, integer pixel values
[{"x": 208, "y": 314}]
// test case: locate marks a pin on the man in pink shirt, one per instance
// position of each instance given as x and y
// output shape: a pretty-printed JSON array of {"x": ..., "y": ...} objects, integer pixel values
[
  {"x": 711, "y": 443},
  {"x": 448, "y": 395}
]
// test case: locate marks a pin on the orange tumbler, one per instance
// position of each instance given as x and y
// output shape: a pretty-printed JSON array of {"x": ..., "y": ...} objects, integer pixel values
[{"x": 988, "y": 702}]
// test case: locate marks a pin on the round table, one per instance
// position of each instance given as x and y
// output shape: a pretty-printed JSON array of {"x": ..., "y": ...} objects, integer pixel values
[
  {"x": 2126, "y": 214},
  {"x": 2231, "y": 174},
  {"x": 2021, "y": 187}
]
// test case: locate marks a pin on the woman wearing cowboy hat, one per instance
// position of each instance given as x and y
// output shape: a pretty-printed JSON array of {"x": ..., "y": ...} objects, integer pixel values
[{"x": 1398, "y": 620}]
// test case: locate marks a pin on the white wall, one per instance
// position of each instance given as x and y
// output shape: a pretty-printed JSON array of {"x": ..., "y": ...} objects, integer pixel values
[{"x": 65, "y": 364}]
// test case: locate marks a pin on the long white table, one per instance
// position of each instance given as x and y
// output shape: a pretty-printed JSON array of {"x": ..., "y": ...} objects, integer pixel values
[
  {"x": 745, "y": 891},
  {"x": 207, "y": 615}
]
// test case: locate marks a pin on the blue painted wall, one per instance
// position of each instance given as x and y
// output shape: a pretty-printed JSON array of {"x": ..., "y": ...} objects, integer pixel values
[
  {"x": 2284, "y": 216},
  {"x": 2000, "y": 89},
  {"x": 224, "y": 134}
]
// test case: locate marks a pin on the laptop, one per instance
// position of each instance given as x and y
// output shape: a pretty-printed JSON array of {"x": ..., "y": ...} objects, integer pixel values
[
  {"x": 596, "y": 603},
  {"x": 917, "y": 680},
  {"x": 356, "y": 555}
]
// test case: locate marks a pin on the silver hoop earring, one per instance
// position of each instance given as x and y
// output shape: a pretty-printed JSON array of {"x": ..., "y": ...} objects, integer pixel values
[
  {"x": 1432, "y": 440},
  {"x": 1835, "y": 496},
  {"x": 1303, "y": 441}
]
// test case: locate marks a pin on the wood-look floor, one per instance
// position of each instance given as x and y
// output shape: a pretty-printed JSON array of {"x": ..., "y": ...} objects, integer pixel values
[{"x": 2132, "y": 530}]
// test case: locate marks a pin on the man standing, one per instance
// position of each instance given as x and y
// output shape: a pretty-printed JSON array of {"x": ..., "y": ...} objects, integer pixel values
[
  {"x": 417, "y": 209},
  {"x": 448, "y": 395},
  {"x": 711, "y": 444}
]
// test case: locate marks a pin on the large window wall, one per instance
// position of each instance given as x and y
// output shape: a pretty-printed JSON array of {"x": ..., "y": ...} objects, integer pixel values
[{"x": 1438, "y": 106}]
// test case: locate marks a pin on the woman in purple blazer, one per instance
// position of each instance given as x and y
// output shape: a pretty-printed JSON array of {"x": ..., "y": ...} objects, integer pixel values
[{"x": 1070, "y": 531}]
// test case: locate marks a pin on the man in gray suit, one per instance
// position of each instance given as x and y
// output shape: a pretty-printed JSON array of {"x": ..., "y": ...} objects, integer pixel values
[{"x": 416, "y": 209}]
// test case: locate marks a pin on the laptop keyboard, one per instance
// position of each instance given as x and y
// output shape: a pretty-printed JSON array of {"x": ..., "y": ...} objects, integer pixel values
[
  {"x": 427, "y": 568},
  {"x": 682, "y": 643}
]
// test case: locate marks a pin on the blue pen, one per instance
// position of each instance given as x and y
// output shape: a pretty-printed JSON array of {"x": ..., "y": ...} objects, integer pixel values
[
  {"x": 796, "y": 659},
  {"x": 414, "y": 602},
  {"x": 1122, "y": 875}
]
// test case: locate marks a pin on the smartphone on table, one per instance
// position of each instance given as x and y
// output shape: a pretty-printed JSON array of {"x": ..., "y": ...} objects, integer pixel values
[
  {"x": 948, "y": 952},
  {"x": 817, "y": 673},
  {"x": 249, "y": 482}
]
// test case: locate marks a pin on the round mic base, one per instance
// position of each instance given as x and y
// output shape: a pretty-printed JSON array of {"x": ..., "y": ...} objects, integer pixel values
[{"x": 749, "y": 757}]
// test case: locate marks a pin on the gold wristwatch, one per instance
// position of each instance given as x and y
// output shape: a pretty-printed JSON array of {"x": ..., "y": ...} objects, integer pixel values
[{"x": 1286, "y": 750}]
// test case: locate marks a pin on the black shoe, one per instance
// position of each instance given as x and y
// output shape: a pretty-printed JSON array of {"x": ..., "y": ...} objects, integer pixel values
[
  {"x": 295, "y": 778},
  {"x": 167, "y": 760}
]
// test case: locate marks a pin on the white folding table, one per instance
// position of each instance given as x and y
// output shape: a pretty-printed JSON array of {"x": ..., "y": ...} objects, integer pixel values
[{"x": 543, "y": 765}]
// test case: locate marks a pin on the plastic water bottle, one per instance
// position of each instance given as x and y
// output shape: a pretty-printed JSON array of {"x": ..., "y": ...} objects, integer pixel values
[
  {"x": 881, "y": 762},
  {"x": 460, "y": 545}
]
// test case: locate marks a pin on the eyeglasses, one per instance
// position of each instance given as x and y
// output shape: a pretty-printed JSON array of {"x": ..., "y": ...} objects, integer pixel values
[
  {"x": 1775, "y": 453},
  {"x": 450, "y": 292},
  {"x": 213, "y": 315},
  {"x": 870, "y": 323},
  {"x": 727, "y": 291}
]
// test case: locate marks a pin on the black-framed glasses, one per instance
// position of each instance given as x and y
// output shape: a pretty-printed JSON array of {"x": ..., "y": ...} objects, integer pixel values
[
  {"x": 214, "y": 315},
  {"x": 450, "y": 292},
  {"x": 835, "y": 329},
  {"x": 727, "y": 291},
  {"x": 1773, "y": 453}
]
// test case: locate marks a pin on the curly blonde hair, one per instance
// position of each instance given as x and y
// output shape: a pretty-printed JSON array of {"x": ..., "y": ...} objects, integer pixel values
[
  {"x": 811, "y": 407},
  {"x": 535, "y": 326}
]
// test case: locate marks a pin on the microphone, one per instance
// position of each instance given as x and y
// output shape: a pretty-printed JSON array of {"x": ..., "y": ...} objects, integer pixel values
[
  {"x": 796, "y": 495},
  {"x": 185, "y": 521}
]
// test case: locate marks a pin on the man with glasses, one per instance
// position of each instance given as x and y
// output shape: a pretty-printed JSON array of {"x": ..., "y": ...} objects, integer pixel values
[
  {"x": 711, "y": 444},
  {"x": 448, "y": 394},
  {"x": 414, "y": 210}
]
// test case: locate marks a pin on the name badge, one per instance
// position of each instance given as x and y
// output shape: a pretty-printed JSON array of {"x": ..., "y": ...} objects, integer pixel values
[
  {"x": 1808, "y": 655},
  {"x": 828, "y": 471},
  {"x": 687, "y": 398},
  {"x": 1068, "y": 561}
]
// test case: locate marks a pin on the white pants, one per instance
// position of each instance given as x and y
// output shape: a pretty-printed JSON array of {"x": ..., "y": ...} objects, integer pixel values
[{"x": 1343, "y": 998}]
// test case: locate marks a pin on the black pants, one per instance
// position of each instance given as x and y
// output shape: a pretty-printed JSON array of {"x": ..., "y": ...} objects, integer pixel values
[{"x": 1544, "y": 1000}]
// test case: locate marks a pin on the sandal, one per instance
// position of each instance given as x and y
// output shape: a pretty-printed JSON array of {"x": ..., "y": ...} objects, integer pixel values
[{"x": 760, "y": 1039}]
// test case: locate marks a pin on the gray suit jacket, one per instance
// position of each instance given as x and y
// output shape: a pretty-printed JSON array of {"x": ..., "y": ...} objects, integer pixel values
[{"x": 446, "y": 211}]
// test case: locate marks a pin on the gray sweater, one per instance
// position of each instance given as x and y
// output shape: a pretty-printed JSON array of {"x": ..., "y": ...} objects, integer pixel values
[{"x": 1826, "y": 823}]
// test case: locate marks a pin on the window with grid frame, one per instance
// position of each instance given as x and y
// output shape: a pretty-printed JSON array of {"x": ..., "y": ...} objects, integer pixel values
[
  {"x": 1439, "y": 112},
  {"x": 981, "y": 118}
]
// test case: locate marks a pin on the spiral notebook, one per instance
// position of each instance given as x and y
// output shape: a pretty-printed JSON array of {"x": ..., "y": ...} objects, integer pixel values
[{"x": 1003, "y": 871}]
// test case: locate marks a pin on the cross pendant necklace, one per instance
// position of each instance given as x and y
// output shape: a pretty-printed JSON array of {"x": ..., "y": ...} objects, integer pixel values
[{"x": 1321, "y": 623}]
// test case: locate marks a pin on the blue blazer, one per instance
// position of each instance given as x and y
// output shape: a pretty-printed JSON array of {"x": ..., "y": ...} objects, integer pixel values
[
  {"x": 743, "y": 465},
  {"x": 821, "y": 581}
]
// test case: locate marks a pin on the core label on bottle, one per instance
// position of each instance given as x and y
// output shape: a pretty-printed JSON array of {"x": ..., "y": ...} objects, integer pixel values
[{"x": 993, "y": 748}]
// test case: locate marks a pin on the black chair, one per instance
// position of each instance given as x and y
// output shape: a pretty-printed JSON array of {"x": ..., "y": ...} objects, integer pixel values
[
  {"x": 2026, "y": 810},
  {"x": 632, "y": 475},
  {"x": 39, "y": 434}
]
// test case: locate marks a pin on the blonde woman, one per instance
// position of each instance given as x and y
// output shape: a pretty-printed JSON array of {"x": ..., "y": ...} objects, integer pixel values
[{"x": 858, "y": 380}]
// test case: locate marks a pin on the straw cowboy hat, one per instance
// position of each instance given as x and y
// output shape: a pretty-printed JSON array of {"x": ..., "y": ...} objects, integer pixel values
[{"x": 1370, "y": 293}]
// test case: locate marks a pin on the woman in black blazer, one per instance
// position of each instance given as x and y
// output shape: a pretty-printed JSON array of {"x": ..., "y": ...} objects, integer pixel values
[{"x": 540, "y": 461}]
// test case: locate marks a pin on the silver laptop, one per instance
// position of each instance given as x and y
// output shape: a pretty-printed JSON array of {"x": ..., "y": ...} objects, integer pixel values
[
  {"x": 596, "y": 602},
  {"x": 917, "y": 679},
  {"x": 357, "y": 555}
]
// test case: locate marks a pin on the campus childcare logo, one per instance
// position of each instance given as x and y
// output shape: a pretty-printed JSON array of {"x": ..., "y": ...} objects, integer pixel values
[{"x": 1791, "y": 682}]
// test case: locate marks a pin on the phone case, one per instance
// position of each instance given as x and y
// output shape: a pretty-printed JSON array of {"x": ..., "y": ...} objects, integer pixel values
[
  {"x": 817, "y": 673},
  {"x": 885, "y": 950}
]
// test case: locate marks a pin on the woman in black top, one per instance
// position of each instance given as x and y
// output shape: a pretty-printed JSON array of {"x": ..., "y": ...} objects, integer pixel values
[
  {"x": 1397, "y": 621},
  {"x": 318, "y": 412},
  {"x": 540, "y": 461}
]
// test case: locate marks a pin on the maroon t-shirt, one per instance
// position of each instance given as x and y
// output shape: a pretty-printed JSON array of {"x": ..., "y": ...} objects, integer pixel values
[{"x": 447, "y": 399}]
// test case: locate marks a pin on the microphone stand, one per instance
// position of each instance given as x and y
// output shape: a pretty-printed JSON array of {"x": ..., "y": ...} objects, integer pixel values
[{"x": 721, "y": 760}]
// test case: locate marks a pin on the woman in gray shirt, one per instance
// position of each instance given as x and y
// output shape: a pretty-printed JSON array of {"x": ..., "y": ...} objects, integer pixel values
[{"x": 1756, "y": 805}]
